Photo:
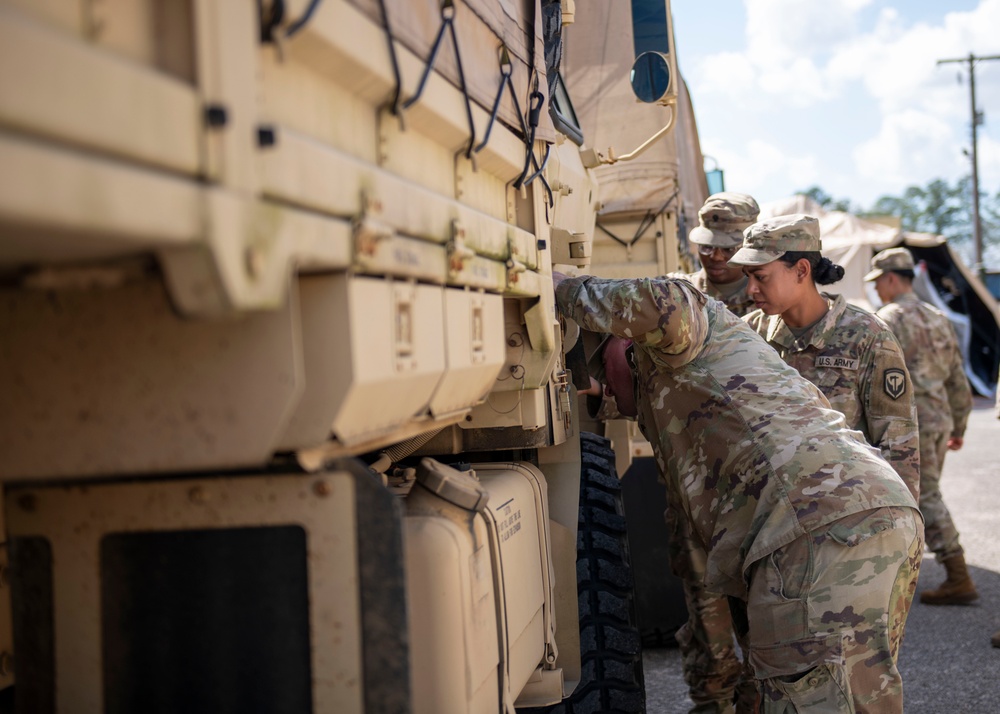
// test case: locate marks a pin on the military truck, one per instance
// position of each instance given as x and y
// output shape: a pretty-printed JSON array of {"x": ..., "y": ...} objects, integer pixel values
[{"x": 287, "y": 416}]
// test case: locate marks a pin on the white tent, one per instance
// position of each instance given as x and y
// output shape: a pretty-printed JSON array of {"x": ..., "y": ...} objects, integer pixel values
[{"x": 942, "y": 278}]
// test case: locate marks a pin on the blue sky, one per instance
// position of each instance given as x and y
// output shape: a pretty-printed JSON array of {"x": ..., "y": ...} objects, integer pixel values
[{"x": 844, "y": 94}]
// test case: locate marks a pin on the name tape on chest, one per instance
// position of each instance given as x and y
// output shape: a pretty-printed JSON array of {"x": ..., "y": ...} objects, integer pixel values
[{"x": 836, "y": 362}]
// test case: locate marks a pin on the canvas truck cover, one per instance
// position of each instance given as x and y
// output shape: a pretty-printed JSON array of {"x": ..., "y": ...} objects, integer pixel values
[
  {"x": 597, "y": 60},
  {"x": 479, "y": 24}
]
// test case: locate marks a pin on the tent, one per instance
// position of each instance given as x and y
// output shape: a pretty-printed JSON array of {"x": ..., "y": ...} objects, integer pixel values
[{"x": 942, "y": 279}]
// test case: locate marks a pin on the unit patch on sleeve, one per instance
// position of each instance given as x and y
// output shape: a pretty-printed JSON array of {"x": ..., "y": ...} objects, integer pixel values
[
  {"x": 837, "y": 362},
  {"x": 894, "y": 382}
]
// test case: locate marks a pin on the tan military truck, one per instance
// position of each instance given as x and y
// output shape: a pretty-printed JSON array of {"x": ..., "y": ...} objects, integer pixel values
[{"x": 287, "y": 423}]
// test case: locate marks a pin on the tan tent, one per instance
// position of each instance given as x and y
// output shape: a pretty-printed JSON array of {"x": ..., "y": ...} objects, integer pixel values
[{"x": 943, "y": 279}]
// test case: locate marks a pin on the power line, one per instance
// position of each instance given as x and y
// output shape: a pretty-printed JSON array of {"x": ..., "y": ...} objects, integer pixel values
[{"x": 977, "y": 119}]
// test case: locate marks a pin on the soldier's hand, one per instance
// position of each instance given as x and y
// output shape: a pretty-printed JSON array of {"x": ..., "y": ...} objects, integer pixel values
[{"x": 955, "y": 443}]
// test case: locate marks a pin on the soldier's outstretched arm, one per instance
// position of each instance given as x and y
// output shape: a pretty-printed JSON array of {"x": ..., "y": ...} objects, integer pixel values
[{"x": 663, "y": 315}]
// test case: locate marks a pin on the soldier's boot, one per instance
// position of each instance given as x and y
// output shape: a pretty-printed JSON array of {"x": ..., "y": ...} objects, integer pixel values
[
  {"x": 957, "y": 589},
  {"x": 995, "y": 640}
]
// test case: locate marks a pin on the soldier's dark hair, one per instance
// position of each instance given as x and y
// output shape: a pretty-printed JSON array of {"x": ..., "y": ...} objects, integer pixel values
[
  {"x": 907, "y": 275},
  {"x": 824, "y": 270}
]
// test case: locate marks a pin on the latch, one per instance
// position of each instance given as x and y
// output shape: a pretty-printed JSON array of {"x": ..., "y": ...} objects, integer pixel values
[
  {"x": 561, "y": 381},
  {"x": 367, "y": 230},
  {"x": 458, "y": 251}
]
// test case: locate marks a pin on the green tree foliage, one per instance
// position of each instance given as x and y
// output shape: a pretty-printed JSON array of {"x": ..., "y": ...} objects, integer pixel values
[
  {"x": 826, "y": 200},
  {"x": 940, "y": 208}
]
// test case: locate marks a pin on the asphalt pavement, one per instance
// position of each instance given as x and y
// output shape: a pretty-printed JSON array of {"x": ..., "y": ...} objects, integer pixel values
[{"x": 946, "y": 660}]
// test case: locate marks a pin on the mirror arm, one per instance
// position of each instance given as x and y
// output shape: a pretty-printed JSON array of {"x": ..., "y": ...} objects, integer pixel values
[{"x": 612, "y": 159}]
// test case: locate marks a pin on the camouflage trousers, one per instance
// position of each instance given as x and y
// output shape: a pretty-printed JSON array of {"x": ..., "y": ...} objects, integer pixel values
[
  {"x": 939, "y": 528},
  {"x": 826, "y": 613},
  {"x": 713, "y": 671}
]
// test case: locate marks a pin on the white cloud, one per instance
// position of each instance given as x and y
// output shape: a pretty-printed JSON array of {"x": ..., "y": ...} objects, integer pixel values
[
  {"x": 805, "y": 52},
  {"x": 808, "y": 54},
  {"x": 989, "y": 164},
  {"x": 787, "y": 40},
  {"x": 761, "y": 164},
  {"x": 911, "y": 147}
]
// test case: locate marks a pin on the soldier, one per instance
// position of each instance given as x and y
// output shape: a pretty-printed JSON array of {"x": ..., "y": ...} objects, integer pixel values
[
  {"x": 851, "y": 355},
  {"x": 944, "y": 401},
  {"x": 719, "y": 234},
  {"x": 809, "y": 532},
  {"x": 711, "y": 666}
]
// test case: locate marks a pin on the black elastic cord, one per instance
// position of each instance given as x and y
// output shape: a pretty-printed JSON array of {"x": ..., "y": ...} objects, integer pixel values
[
  {"x": 535, "y": 102},
  {"x": 430, "y": 61},
  {"x": 304, "y": 20},
  {"x": 270, "y": 23},
  {"x": 648, "y": 220},
  {"x": 506, "y": 69},
  {"x": 465, "y": 89},
  {"x": 447, "y": 23},
  {"x": 394, "y": 59}
]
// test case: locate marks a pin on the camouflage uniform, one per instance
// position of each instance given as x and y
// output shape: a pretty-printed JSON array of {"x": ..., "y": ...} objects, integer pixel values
[
  {"x": 711, "y": 666},
  {"x": 856, "y": 362},
  {"x": 765, "y": 472},
  {"x": 739, "y": 303},
  {"x": 941, "y": 391}
]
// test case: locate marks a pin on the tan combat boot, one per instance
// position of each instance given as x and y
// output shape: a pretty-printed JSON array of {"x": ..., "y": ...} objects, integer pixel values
[
  {"x": 995, "y": 640},
  {"x": 957, "y": 589}
]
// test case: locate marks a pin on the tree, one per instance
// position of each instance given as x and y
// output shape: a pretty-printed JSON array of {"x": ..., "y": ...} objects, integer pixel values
[
  {"x": 939, "y": 208},
  {"x": 826, "y": 200}
]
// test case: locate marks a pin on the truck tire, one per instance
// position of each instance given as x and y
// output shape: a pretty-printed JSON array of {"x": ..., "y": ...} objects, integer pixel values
[{"x": 612, "y": 679}]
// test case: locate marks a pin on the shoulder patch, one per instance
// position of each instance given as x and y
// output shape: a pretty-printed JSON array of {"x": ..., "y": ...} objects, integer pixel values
[
  {"x": 894, "y": 382},
  {"x": 837, "y": 362}
]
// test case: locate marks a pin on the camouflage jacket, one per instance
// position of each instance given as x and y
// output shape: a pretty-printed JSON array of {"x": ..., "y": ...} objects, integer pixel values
[
  {"x": 739, "y": 303},
  {"x": 752, "y": 451},
  {"x": 853, "y": 358},
  {"x": 943, "y": 395}
]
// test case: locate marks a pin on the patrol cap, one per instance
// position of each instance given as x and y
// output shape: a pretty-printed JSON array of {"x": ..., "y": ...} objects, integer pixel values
[
  {"x": 723, "y": 219},
  {"x": 889, "y": 260},
  {"x": 766, "y": 241}
]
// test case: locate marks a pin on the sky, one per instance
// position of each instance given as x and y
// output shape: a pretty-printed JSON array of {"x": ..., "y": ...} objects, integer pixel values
[{"x": 843, "y": 94}]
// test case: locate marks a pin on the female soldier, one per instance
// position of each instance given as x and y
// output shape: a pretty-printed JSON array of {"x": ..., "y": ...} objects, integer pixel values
[
  {"x": 811, "y": 534},
  {"x": 849, "y": 353}
]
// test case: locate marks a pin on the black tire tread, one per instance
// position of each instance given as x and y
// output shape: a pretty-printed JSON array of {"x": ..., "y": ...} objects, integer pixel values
[{"x": 611, "y": 648}]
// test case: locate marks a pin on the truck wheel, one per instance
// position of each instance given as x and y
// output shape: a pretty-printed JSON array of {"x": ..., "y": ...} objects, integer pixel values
[{"x": 612, "y": 679}]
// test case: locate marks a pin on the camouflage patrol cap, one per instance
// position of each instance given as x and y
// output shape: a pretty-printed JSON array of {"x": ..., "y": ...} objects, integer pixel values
[
  {"x": 889, "y": 260},
  {"x": 723, "y": 219},
  {"x": 768, "y": 240}
]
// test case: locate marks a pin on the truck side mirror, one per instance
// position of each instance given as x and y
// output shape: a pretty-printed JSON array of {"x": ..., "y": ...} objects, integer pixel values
[
  {"x": 654, "y": 77},
  {"x": 654, "y": 73},
  {"x": 651, "y": 77}
]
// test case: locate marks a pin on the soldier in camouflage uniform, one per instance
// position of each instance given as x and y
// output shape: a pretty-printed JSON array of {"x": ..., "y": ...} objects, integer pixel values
[
  {"x": 719, "y": 234},
  {"x": 944, "y": 401},
  {"x": 809, "y": 532},
  {"x": 711, "y": 666},
  {"x": 851, "y": 355}
]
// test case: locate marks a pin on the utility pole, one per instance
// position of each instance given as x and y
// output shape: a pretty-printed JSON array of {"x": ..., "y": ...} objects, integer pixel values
[{"x": 977, "y": 229}]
